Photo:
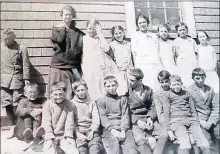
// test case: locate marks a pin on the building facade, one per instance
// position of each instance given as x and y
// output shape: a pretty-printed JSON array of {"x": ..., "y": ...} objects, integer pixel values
[{"x": 33, "y": 21}]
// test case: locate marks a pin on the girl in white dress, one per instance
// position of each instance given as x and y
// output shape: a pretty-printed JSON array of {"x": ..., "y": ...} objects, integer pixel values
[
  {"x": 144, "y": 47},
  {"x": 187, "y": 51},
  {"x": 208, "y": 60},
  {"x": 96, "y": 63},
  {"x": 121, "y": 50},
  {"x": 167, "y": 49}
]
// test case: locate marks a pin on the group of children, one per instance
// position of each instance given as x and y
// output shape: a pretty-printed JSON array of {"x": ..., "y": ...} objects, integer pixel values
[
  {"x": 118, "y": 98},
  {"x": 141, "y": 122}
]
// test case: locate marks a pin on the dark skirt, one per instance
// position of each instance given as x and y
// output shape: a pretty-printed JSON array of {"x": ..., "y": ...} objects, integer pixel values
[{"x": 68, "y": 76}]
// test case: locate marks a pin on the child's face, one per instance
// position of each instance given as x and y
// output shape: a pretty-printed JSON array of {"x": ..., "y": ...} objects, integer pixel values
[
  {"x": 165, "y": 84},
  {"x": 91, "y": 30},
  {"x": 119, "y": 35},
  {"x": 111, "y": 87},
  {"x": 182, "y": 31},
  {"x": 202, "y": 38},
  {"x": 176, "y": 86},
  {"x": 199, "y": 80},
  {"x": 67, "y": 16},
  {"x": 81, "y": 92},
  {"x": 142, "y": 24},
  {"x": 58, "y": 96},
  {"x": 163, "y": 32},
  {"x": 133, "y": 82},
  {"x": 31, "y": 94},
  {"x": 8, "y": 39}
]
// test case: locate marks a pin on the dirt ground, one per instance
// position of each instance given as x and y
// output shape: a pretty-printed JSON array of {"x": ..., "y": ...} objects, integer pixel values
[{"x": 15, "y": 146}]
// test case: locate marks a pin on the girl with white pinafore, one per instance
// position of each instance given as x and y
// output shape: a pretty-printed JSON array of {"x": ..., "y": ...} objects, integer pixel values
[
  {"x": 121, "y": 51},
  {"x": 145, "y": 51},
  {"x": 208, "y": 60},
  {"x": 187, "y": 54},
  {"x": 97, "y": 64}
]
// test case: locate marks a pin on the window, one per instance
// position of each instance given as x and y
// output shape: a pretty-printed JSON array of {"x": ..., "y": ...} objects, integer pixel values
[{"x": 160, "y": 12}]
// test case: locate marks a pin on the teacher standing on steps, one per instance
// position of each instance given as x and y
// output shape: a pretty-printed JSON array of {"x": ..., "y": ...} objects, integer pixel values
[{"x": 66, "y": 61}]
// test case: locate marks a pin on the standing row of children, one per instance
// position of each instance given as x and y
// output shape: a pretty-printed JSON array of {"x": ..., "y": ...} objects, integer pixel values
[
  {"x": 93, "y": 58},
  {"x": 97, "y": 63}
]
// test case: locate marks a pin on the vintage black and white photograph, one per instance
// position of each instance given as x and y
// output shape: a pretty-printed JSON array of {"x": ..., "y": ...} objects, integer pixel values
[{"x": 109, "y": 77}]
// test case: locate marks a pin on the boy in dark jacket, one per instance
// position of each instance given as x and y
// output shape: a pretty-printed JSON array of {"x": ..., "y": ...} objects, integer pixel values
[{"x": 143, "y": 114}]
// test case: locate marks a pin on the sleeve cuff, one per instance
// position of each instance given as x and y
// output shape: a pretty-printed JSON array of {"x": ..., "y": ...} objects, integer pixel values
[
  {"x": 110, "y": 128},
  {"x": 68, "y": 134}
]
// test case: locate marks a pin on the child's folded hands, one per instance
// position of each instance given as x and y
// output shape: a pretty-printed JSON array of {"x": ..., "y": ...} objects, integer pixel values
[
  {"x": 142, "y": 125},
  {"x": 71, "y": 141},
  {"x": 122, "y": 135},
  {"x": 81, "y": 137},
  {"x": 116, "y": 133},
  {"x": 150, "y": 124},
  {"x": 171, "y": 135},
  {"x": 205, "y": 124},
  {"x": 90, "y": 136}
]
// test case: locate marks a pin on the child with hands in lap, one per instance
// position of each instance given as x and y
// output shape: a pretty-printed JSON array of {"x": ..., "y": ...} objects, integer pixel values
[
  {"x": 59, "y": 121},
  {"x": 88, "y": 120}
]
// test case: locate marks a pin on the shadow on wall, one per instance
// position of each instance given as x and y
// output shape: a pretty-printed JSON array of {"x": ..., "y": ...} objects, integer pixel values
[{"x": 37, "y": 77}]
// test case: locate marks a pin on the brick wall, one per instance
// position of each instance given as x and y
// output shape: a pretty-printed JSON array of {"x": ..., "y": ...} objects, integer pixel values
[
  {"x": 33, "y": 22},
  {"x": 207, "y": 18}
]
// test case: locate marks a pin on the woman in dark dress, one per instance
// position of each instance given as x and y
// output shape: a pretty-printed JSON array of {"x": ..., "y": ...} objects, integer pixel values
[{"x": 66, "y": 61}]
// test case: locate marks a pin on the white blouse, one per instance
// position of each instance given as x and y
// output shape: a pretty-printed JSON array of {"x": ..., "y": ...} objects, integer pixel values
[
  {"x": 144, "y": 47},
  {"x": 186, "y": 49},
  {"x": 122, "y": 54},
  {"x": 207, "y": 57}
]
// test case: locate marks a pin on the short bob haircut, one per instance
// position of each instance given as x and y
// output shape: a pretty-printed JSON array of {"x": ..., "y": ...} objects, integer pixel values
[
  {"x": 78, "y": 83},
  {"x": 198, "y": 72},
  {"x": 163, "y": 75},
  {"x": 142, "y": 16},
  {"x": 58, "y": 86},
  {"x": 197, "y": 36},
  {"x": 70, "y": 8},
  {"x": 137, "y": 73},
  {"x": 175, "y": 78},
  {"x": 110, "y": 78},
  {"x": 181, "y": 24}
]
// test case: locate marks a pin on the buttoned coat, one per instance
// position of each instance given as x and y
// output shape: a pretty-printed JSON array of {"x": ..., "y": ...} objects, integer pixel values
[
  {"x": 15, "y": 66},
  {"x": 207, "y": 106}
]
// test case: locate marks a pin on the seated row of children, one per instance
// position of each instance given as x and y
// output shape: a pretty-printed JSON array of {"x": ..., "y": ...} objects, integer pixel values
[{"x": 141, "y": 122}]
